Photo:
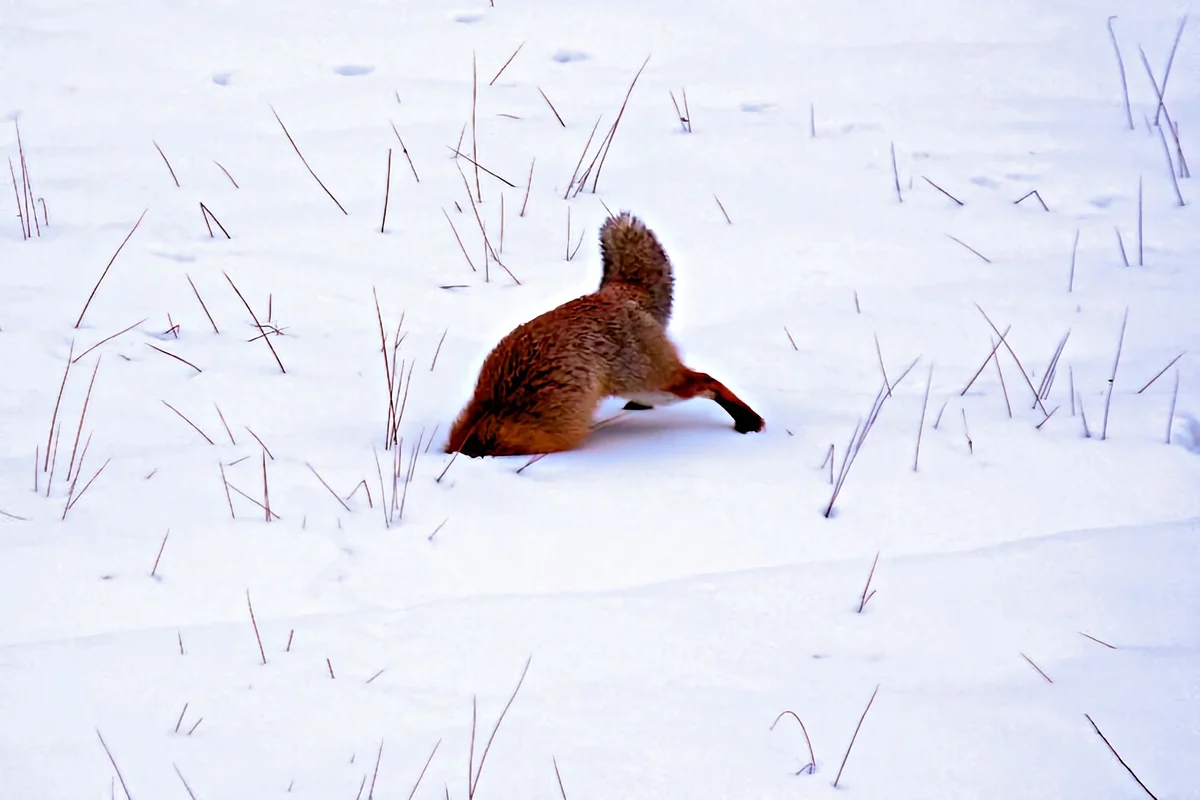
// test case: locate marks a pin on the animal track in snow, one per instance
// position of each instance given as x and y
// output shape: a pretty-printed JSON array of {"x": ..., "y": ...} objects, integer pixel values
[
  {"x": 353, "y": 69},
  {"x": 221, "y": 78},
  {"x": 467, "y": 17},
  {"x": 569, "y": 56}
]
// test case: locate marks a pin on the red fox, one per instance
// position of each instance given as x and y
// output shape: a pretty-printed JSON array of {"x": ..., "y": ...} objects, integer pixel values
[{"x": 540, "y": 387}]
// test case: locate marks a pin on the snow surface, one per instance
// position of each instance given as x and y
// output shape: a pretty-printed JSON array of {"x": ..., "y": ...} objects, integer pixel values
[{"x": 674, "y": 585}]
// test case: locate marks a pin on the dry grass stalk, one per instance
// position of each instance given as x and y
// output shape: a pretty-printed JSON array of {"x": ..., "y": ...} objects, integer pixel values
[
  {"x": 479, "y": 166},
  {"x": 207, "y": 213},
  {"x": 404, "y": 150},
  {"x": 257, "y": 324},
  {"x": 613, "y": 130},
  {"x": 1036, "y": 667},
  {"x": 855, "y": 736},
  {"x": 895, "y": 172},
  {"x": 984, "y": 258},
  {"x": 82, "y": 415},
  {"x": 579, "y": 163},
  {"x": 921, "y": 423},
  {"x": 473, "y": 771},
  {"x": 1113, "y": 377},
  {"x": 1121, "y": 66},
  {"x": 196, "y": 291},
  {"x": 458, "y": 239},
  {"x": 721, "y": 206},
  {"x": 79, "y": 321},
  {"x": 225, "y": 483},
  {"x": 1171, "y": 411},
  {"x": 552, "y": 108},
  {"x": 943, "y": 191},
  {"x": 172, "y": 355},
  {"x": 474, "y": 134},
  {"x": 75, "y": 498},
  {"x": 504, "y": 66},
  {"x": 387, "y": 190},
  {"x": 983, "y": 366},
  {"x": 811, "y": 766},
  {"x": 108, "y": 338},
  {"x": 438, "y": 350},
  {"x": 1032, "y": 193},
  {"x": 57, "y": 404},
  {"x": 1007, "y": 347},
  {"x": 227, "y": 175},
  {"x": 188, "y": 421},
  {"x": 113, "y": 761},
  {"x": 168, "y": 163},
  {"x": 254, "y": 622},
  {"x": 154, "y": 570},
  {"x": 868, "y": 592},
  {"x": 326, "y": 485},
  {"x": 1113, "y": 750},
  {"x": 1160, "y": 373},
  {"x": 304, "y": 161}
]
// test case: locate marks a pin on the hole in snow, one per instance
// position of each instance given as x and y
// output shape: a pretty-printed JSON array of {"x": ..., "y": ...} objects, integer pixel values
[{"x": 353, "y": 69}]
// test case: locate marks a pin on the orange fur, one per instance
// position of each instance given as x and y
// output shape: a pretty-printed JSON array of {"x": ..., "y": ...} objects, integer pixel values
[{"x": 540, "y": 386}]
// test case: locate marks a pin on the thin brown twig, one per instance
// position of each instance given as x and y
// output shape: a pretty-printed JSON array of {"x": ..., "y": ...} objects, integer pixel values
[
  {"x": 305, "y": 162},
  {"x": 326, "y": 485},
  {"x": 552, "y": 108},
  {"x": 254, "y": 622},
  {"x": 95, "y": 288},
  {"x": 256, "y": 322},
  {"x": 506, "y": 63},
  {"x": 1113, "y": 750},
  {"x": 227, "y": 175},
  {"x": 855, "y": 736},
  {"x": 811, "y": 767},
  {"x": 188, "y": 421},
  {"x": 613, "y": 131},
  {"x": 528, "y": 186},
  {"x": 1035, "y": 666},
  {"x": 500, "y": 719},
  {"x": 165, "y": 161},
  {"x": 172, "y": 355},
  {"x": 196, "y": 291},
  {"x": 208, "y": 214}
]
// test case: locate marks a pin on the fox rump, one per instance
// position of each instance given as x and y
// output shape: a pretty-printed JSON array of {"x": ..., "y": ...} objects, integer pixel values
[{"x": 539, "y": 388}]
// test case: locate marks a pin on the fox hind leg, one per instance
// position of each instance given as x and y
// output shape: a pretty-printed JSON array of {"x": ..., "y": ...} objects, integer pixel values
[{"x": 689, "y": 383}]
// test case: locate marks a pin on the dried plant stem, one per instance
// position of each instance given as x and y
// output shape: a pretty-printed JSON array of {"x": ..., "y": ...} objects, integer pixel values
[
  {"x": 1007, "y": 347},
  {"x": 503, "y": 67},
  {"x": 113, "y": 761},
  {"x": 895, "y": 173},
  {"x": 1121, "y": 66},
  {"x": 1036, "y": 667},
  {"x": 154, "y": 570},
  {"x": 458, "y": 238},
  {"x": 326, "y": 485},
  {"x": 404, "y": 150},
  {"x": 304, "y": 161},
  {"x": 57, "y": 403},
  {"x": 1113, "y": 750},
  {"x": 579, "y": 163},
  {"x": 79, "y": 321},
  {"x": 168, "y": 163},
  {"x": 473, "y": 782},
  {"x": 1160, "y": 373},
  {"x": 172, "y": 355},
  {"x": 921, "y": 423},
  {"x": 528, "y": 186},
  {"x": 943, "y": 191},
  {"x": 1113, "y": 377},
  {"x": 189, "y": 422},
  {"x": 87, "y": 399},
  {"x": 257, "y": 324},
  {"x": 254, "y": 622},
  {"x": 721, "y": 206},
  {"x": 868, "y": 592},
  {"x": 811, "y": 767},
  {"x": 227, "y": 175},
  {"x": 613, "y": 130},
  {"x": 474, "y": 134},
  {"x": 855, "y": 736},
  {"x": 552, "y": 108},
  {"x": 984, "y": 258}
]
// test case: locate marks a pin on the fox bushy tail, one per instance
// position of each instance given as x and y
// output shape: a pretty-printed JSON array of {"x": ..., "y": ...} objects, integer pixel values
[{"x": 635, "y": 263}]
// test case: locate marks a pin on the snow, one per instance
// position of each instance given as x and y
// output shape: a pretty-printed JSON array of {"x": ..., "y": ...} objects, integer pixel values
[{"x": 673, "y": 585}]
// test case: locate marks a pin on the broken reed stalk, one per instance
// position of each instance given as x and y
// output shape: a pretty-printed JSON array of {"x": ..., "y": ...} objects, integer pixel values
[
  {"x": 189, "y": 422},
  {"x": 1003, "y": 386},
  {"x": 168, "y": 163},
  {"x": 458, "y": 238},
  {"x": 387, "y": 190},
  {"x": 811, "y": 767},
  {"x": 404, "y": 150},
  {"x": 721, "y": 206},
  {"x": 208, "y": 214},
  {"x": 1113, "y": 377},
  {"x": 1113, "y": 750},
  {"x": 87, "y": 399},
  {"x": 1160, "y": 373},
  {"x": 172, "y": 355},
  {"x": 474, "y": 134},
  {"x": 985, "y": 259},
  {"x": 943, "y": 191},
  {"x": 417, "y": 785},
  {"x": 1121, "y": 66},
  {"x": 1183, "y": 170},
  {"x": 1032, "y": 193},
  {"x": 528, "y": 186},
  {"x": 196, "y": 291},
  {"x": 473, "y": 782},
  {"x": 1121, "y": 246},
  {"x": 868, "y": 592},
  {"x": 257, "y": 324},
  {"x": 500, "y": 71},
  {"x": 855, "y": 736},
  {"x": 304, "y": 161},
  {"x": 113, "y": 761},
  {"x": 254, "y": 622},
  {"x": 1171, "y": 411},
  {"x": 613, "y": 130},
  {"x": 1071, "y": 276},
  {"x": 1007, "y": 347},
  {"x": 57, "y": 404},
  {"x": 921, "y": 423},
  {"x": 1171, "y": 168},
  {"x": 579, "y": 163},
  {"x": 1036, "y": 667},
  {"x": 552, "y": 108},
  {"x": 95, "y": 288},
  {"x": 154, "y": 570},
  {"x": 895, "y": 173},
  {"x": 227, "y": 175},
  {"x": 326, "y": 485},
  {"x": 859, "y": 437}
]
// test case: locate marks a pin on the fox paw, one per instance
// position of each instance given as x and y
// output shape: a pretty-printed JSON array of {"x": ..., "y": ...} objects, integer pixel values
[
  {"x": 634, "y": 405},
  {"x": 749, "y": 424}
]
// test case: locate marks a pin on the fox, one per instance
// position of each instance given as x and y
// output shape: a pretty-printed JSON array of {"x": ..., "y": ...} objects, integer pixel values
[{"x": 539, "y": 388}]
